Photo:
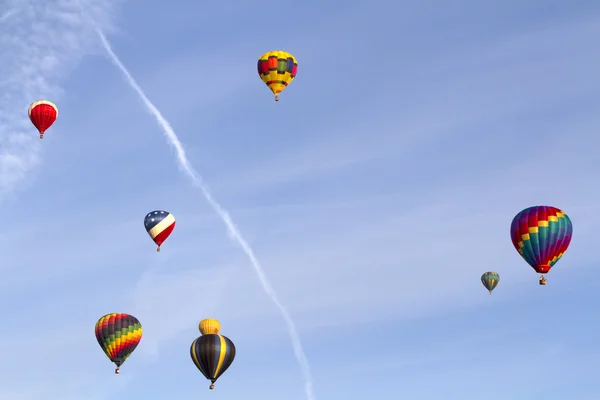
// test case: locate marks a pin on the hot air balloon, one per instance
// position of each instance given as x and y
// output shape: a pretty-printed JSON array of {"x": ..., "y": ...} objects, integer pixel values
[
  {"x": 209, "y": 326},
  {"x": 42, "y": 114},
  {"x": 159, "y": 225},
  {"x": 541, "y": 235},
  {"x": 490, "y": 280},
  {"x": 118, "y": 335},
  {"x": 212, "y": 353},
  {"x": 277, "y": 69}
]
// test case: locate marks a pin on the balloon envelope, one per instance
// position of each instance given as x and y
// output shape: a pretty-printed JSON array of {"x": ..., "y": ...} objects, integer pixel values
[
  {"x": 118, "y": 335},
  {"x": 277, "y": 69},
  {"x": 43, "y": 114},
  {"x": 490, "y": 280},
  {"x": 208, "y": 326},
  {"x": 212, "y": 354},
  {"x": 541, "y": 235},
  {"x": 159, "y": 224}
]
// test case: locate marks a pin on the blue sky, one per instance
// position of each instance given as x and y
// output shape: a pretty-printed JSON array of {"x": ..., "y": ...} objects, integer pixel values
[{"x": 375, "y": 193}]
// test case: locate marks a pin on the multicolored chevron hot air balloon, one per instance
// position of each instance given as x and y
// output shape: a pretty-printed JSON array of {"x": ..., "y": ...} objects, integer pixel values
[
  {"x": 43, "y": 114},
  {"x": 490, "y": 280},
  {"x": 541, "y": 235},
  {"x": 212, "y": 353},
  {"x": 118, "y": 335},
  {"x": 277, "y": 69},
  {"x": 159, "y": 225}
]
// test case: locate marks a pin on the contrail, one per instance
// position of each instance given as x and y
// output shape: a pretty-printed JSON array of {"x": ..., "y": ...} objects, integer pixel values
[{"x": 232, "y": 229}]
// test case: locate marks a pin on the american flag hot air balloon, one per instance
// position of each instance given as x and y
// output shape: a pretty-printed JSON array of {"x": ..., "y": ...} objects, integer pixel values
[
  {"x": 43, "y": 114},
  {"x": 159, "y": 225}
]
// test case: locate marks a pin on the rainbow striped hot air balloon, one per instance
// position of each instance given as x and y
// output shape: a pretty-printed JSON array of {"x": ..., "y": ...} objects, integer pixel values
[
  {"x": 118, "y": 334},
  {"x": 159, "y": 224},
  {"x": 541, "y": 235}
]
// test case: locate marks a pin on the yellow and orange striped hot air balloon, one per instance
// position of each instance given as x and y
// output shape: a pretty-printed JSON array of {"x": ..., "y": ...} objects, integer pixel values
[{"x": 277, "y": 69}]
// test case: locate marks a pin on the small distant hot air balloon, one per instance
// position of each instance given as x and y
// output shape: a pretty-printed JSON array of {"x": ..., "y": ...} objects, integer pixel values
[
  {"x": 490, "y": 280},
  {"x": 541, "y": 235},
  {"x": 277, "y": 69},
  {"x": 159, "y": 225},
  {"x": 212, "y": 353},
  {"x": 118, "y": 335},
  {"x": 42, "y": 114}
]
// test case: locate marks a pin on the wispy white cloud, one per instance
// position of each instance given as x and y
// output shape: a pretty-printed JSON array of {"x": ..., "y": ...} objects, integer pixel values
[{"x": 41, "y": 44}]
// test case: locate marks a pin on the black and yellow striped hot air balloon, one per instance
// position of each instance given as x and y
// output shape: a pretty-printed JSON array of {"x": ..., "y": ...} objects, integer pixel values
[
  {"x": 212, "y": 353},
  {"x": 277, "y": 69}
]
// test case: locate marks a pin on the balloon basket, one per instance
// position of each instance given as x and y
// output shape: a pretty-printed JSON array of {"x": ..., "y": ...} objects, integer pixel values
[{"x": 211, "y": 387}]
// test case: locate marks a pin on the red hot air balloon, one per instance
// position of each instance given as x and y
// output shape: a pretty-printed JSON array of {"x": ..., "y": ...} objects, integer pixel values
[{"x": 42, "y": 114}]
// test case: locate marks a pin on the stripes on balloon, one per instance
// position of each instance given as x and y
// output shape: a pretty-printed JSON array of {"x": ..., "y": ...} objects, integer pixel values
[
  {"x": 159, "y": 225},
  {"x": 43, "y": 114},
  {"x": 212, "y": 353},
  {"x": 490, "y": 280},
  {"x": 277, "y": 69},
  {"x": 541, "y": 235},
  {"x": 118, "y": 334}
]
